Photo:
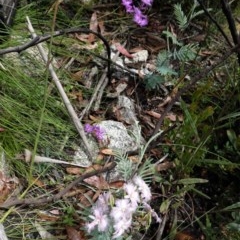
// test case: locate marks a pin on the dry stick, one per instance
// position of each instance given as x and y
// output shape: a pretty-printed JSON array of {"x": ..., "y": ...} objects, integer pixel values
[
  {"x": 39, "y": 39},
  {"x": 194, "y": 80},
  {"x": 215, "y": 22},
  {"x": 161, "y": 227},
  {"x": 62, "y": 93},
  {"x": 44, "y": 200},
  {"x": 103, "y": 85},
  {"x": 231, "y": 24},
  {"x": 102, "y": 82}
]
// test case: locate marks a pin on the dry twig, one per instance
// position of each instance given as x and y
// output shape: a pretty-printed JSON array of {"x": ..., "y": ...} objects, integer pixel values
[
  {"x": 45, "y": 200},
  {"x": 62, "y": 93}
]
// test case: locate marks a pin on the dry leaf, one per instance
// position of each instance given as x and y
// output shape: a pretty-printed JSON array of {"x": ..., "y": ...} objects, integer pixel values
[
  {"x": 123, "y": 50},
  {"x": 164, "y": 166},
  {"x": 107, "y": 151},
  {"x": 171, "y": 116},
  {"x": 84, "y": 198},
  {"x": 101, "y": 27},
  {"x": 74, "y": 170},
  {"x": 81, "y": 37},
  {"x": 73, "y": 234},
  {"x": 134, "y": 159},
  {"x": 48, "y": 216},
  {"x": 93, "y": 26},
  {"x": 7, "y": 186},
  {"x": 116, "y": 184},
  {"x": 97, "y": 182},
  {"x": 184, "y": 236}
]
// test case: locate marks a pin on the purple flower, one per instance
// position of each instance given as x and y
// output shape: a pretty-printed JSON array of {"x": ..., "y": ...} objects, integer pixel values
[
  {"x": 98, "y": 132},
  {"x": 88, "y": 128},
  {"x": 147, "y": 2},
  {"x": 95, "y": 130},
  {"x": 139, "y": 17},
  {"x": 128, "y": 4}
]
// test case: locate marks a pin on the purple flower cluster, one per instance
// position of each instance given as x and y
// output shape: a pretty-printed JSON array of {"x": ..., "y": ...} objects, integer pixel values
[
  {"x": 138, "y": 16},
  {"x": 120, "y": 215},
  {"x": 95, "y": 130}
]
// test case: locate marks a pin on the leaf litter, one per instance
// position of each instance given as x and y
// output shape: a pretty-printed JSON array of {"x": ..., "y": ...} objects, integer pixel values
[{"x": 134, "y": 57}]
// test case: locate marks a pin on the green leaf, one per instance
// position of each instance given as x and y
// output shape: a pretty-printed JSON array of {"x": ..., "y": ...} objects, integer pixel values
[
  {"x": 234, "y": 226},
  {"x": 200, "y": 193},
  {"x": 188, "y": 181},
  {"x": 232, "y": 115},
  {"x": 180, "y": 16},
  {"x": 235, "y": 206},
  {"x": 165, "y": 206},
  {"x": 165, "y": 70},
  {"x": 153, "y": 81},
  {"x": 172, "y": 37}
]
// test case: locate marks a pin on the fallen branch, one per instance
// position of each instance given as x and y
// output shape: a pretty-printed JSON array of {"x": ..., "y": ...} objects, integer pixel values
[
  {"x": 62, "y": 93},
  {"x": 39, "y": 39},
  {"x": 27, "y": 156},
  {"x": 45, "y": 200}
]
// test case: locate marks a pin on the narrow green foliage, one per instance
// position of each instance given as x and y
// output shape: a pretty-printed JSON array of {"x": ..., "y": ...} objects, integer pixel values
[{"x": 124, "y": 165}]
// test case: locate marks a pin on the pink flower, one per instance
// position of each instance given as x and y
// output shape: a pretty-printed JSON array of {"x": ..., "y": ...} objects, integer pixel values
[
  {"x": 132, "y": 194},
  {"x": 139, "y": 17},
  {"x": 143, "y": 188},
  {"x": 122, "y": 210},
  {"x": 122, "y": 216},
  {"x": 152, "y": 212},
  {"x": 121, "y": 226},
  {"x": 99, "y": 219},
  {"x": 102, "y": 202}
]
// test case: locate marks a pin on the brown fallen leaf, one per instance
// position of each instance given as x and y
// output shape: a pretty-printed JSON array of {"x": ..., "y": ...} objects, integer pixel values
[
  {"x": 74, "y": 170},
  {"x": 184, "y": 236},
  {"x": 107, "y": 151},
  {"x": 123, "y": 50},
  {"x": 84, "y": 198},
  {"x": 74, "y": 234},
  {"x": 116, "y": 184},
  {"x": 94, "y": 27},
  {"x": 171, "y": 116},
  {"x": 164, "y": 166},
  {"x": 7, "y": 186},
  {"x": 48, "y": 216},
  {"x": 97, "y": 182}
]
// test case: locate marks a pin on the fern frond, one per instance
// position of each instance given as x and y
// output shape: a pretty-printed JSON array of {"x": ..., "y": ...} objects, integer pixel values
[
  {"x": 172, "y": 37},
  {"x": 185, "y": 53},
  {"x": 180, "y": 16}
]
